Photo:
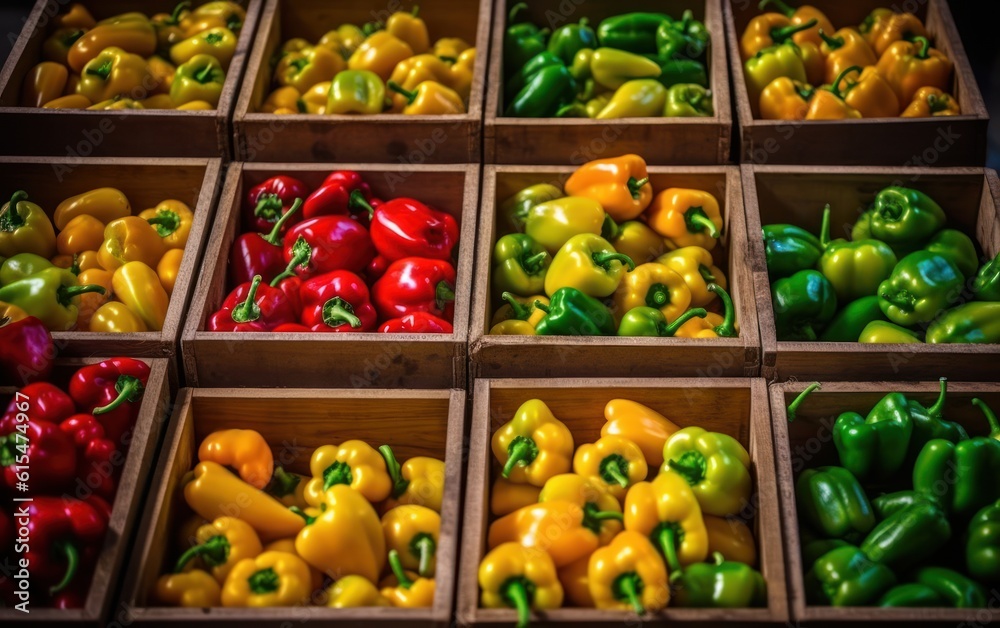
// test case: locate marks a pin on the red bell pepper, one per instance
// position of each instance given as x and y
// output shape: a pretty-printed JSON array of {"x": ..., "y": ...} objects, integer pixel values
[
  {"x": 36, "y": 454},
  {"x": 252, "y": 307},
  {"x": 335, "y": 243},
  {"x": 337, "y": 302},
  {"x": 292, "y": 328},
  {"x": 376, "y": 268},
  {"x": 416, "y": 323},
  {"x": 291, "y": 286},
  {"x": 259, "y": 253},
  {"x": 416, "y": 284},
  {"x": 404, "y": 227},
  {"x": 26, "y": 351},
  {"x": 96, "y": 468},
  {"x": 45, "y": 402},
  {"x": 66, "y": 538},
  {"x": 268, "y": 202},
  {"x": 112, "y": 391},
  {"x": 339, "y": 193}
]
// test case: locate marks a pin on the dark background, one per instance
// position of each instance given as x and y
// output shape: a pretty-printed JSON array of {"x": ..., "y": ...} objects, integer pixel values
[{"x": 979, "y": 37}]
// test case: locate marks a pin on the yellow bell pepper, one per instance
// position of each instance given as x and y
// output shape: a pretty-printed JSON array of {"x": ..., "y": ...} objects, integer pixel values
[
  {"x": 43, "y": 83},
  {"x": 700, "y": 327},
  {"x": 72, "y": 101},
  {"x": 130, "y": 239},
  {"x": 419, "y": 481},
  {"x": 163, "y": 73},
  {"x": 114, "y": 72},
  {"x": 90, "y": 302},
  {"x": 286, "y": 97},
  {"x": 295, "y": 44},
  {"x": 644, "y": 426},
  {"x": 104, "y": 204},
  {"x": 135, "y": 37},
  {"x": 408, "y": 591},
  {"x": 652, "y": 285},
  {"x": 666, "y": 511},
  {"x": 413, "y": 532},
  {"x": 167, "y": 269},
  {"x": 168, "y": 26},
  {"x": 196, "y": 105},
  {"x": 908, "y": 66},
  {"x": 591, "y": 495},
  {"x": 731, "y": 538},
  {"x": 686, "y": 217},
  {"x": 271, "y": 579},
  {"x": 220, "y": 545},
  {"x": 930, "y": 102},
  {"x": 534, "y": 445},
  {"x": 507, "y": 496},
  {"x": 76, "y": 16},
  {"x": 380, "y": 53},
  {"x": 620, "y": 184},
  {"x": 411, "y": 72},
  {"x": 138, "y": 287},
  {"x": 354, "y": 592},
  {"x": 576, "y": 584},
  {"x": 844, "y": 49},
  {"x": 613, "y": 461},
  {"x": 158, "y": 101},
  {"x": 695, "y": 265},
  {"x": 230, "y": 14},
  {"x": 430, "y": 98},
  {"x": 172, "y": 220},
  {"x": 449, "y": 47},
  {"x": 353, "y": 463},
  {"x": 629, "y": 574},
  {"x": 344, "y": 39},
  {"x": 316, "y": 99},
  {"x": 288, "y": 488},
  {"x": 56, "y": 46},
  {"x": 82, "y": 233},
  {"x": 213, "y": 490},
  {"x": 246, "y": 451},
  {"x": 191, "y": 589},
  {"x": 409, "y": 28},
  {"x": 117, "y": 103},
  {"x": 638, "y": 241},
  {"x": 84, "y": 260},
  {"x": 288, "y": 546},
  {"x": 507, "y": 314},
  {"x": 304, "y": 69},
  {"x": 198, "y": 80},
  {"x": 564, "y": 530},
  {"x": 216, "y": 42},
  {"x": 113, "y": 317},
  {"x": 461, "y": 73},
  {"x": 346, "y": 538},
  {"x": 523, "y": 578}
]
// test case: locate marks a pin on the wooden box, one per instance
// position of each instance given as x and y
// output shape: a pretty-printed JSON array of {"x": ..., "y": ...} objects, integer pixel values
[
  {"x": 128, "y": 501},
  {"x": 295, "y": 422},
  {"x": 382, "y": 138},
  {"x": 737, "y": 407},
  {"x": 145, "y": 183},
  {"x": 77, "y": 134},
  {"x": 578, "y": 140},
  {"x": 579, "y": 356},
  {"x": 806, "y": 443},
  {"x": 942, "y": 141},
  {"x": 357, "y": 360},
  {"x": 796, "y": 195}
]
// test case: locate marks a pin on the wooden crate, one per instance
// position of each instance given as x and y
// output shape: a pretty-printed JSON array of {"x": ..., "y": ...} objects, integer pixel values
[
  {"x": 737, "y": 407},
  {"x": 357, "y": 360},
  {"x": 943, "y": 141},
  {"x": 145, "y": 182},
  {"x": 392, "y": 138},
  {"x": 796, "y": 195},
  {"x": 574, "y": 140},
  {"x": 576, "y": 356},
  {"x": 126, "y": 507},
  {"x": 806, "y": 443},
  {"x": 78, "y": 134},
  {"x": 295, "y": 422}
]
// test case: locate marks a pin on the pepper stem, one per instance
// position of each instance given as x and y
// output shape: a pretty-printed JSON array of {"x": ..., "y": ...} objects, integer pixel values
[
  {"x": 521, "y": 311},
  {"x": 301, "y": 252},
  {"x": 443, "y": 294},
  {"x": 991, "y": 417},
  {"x": 298, "y": 511},
  {"x": 834, "y": 87},
  {"x": 635, "y": 185},
  {"x": 938, "y": 408},
  {"x": 779, "y": 35},
  {"x": 521, "y": 451},
  {"x": 337, "y": 311},
  {"x": 627, "y": 587},
  {"x": 397, "y": 570},
  {"x": 793, "y": 407},
  {"x": 691, "y": 465},
  {"x": 614, "y": 470},
  {"x": 282, "y": 483},
  {"x": 203, "y": 75},
  {"x": 10, "y": 220},
  {"x": 65, "y": 294},
  {"x": 337, "y": 473},
  {"x": 409, "y": 95},
  {"x": 399, "y": 483},
  {"x": 824, "y": 230},
  {"x": 129, "y": 388},
  {"x": 609, "y": 228},
  {"x": 604, "y": 259},
  {"x": 273, "y": 237},
  {"x": 248, "y": 311},
  {"x": 833, "y": 42},
  {"x": 214, "y": 551},
  {"x": 264, "y": 581},
  {"x": 924, "y": 50},
  {"x": 72, "y": 564},
  {"x": 166, "y": 222},
  {"x": 728, "y": 327},
  {"x": 538, "y": 305},
  {"x": 658, "y": 295},
  {"x": 671, "y": 329},
  {"x": 697, "y": 221},
  {"x": 75, "y": 266},
  {"x": 102, "y": 71},
  {"x": 593, "y": 516},
  {"x": 533, "y": 264},
  {"x": 423, "y": 546},
  {"x": 175, "y": 15},
  {"x": 518, "y": 593},
  {"x": 514, "y": 10},
  {"x": 706, "y": 273},
  {"x": 782, "y": 8},
  {"x": 357, "y": 200},
  {"x": 667, "y": 539}
]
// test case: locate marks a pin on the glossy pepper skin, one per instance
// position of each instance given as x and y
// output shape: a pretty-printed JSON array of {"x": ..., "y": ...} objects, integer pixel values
[
  {"x": 954, "y": 588},
  {"x": 406, "y": 590},
  {"x": 353, "y": 463},
  {"x": 263, "y": 254},
  {"x": 789, "y": 249},
  {"x": 592, "y": 495},
  {"x": 638, "y": 241},
  {"x": 921, "y": 286},
  {"x": 852, "y": 319},
  {"x": 911, "y": 595},
  {"x": 883, "y": 27},
  {"x": 666, "y": 511},
  {"x": 172, "y": 221},
  {"x": 130, "y": 239},
  {"x": 803, "y": 304},
  {"x": 620, "y": 185},
  {"x": 36, "y": 442},
  {"x": 614, "y": 462},
  {"x": 416, "y": 323},
  {"x": 269, "y": 579},
  {"x": 138, "y": 287},
  {"x": 27, "y": 347},
  {"x": 220, "y": 545},
  {"x": 113, "y": 72},
  {"x": 50, "y": 295},
  {"x": 931, "y": 102},
  {"x": 957, "y": 247},
  {"x": 48, "y": 403},
  {"x": 686, "y": 38},
  {"x": 715, "y": 465},
  {"x": 412, "y": 72},
  {"x": 354, "y": 592},
  {"x": 22, "y": 266},
  {"x": 628, "y": 574},
  {"x": 884, "y": 332},
  {"x": 543, "y": 93},
  {"x": 270, "y": 200},
  {"x": 573, "y": 313},
  {"x": 405, "y": 227},
  {"x": 638, "y": 98},
  {"x": 522, "y": 39},
  {"x": 724, "y": 584},
  {"x": 785, "y": 99},
  {"x": 244, "y": 450},
  {"x": 429, "y": 98},
  {"x": 982, "y": 545},
  {"x": 415, "y": 284},
  {"x": 843, "y": 49},
  {"x": 218, "y": 42},
  {"x": 199, "y": 79},
  {"x": 519, "y": 265},
  {"x": 95, "y": 454},
  {"x": 379, "y": 53},
  {"x": 611, "y": 68},
  {"x": 336, "y": 243},
  {"x": 356, "y": 91},
  {"x": 829, "y": 102},
  {"x": 135, "y": 37},
  {"x": 986, "y": 285},
  {"x": 531, "y": 526},
  {"x": 567, "y": 40},
  {"x": 507, "y": 496},
  {"x": 653, "y": 285},
  {"x": 43, "y": 83},
  {"x": 647, "y": 321},
  {"x": 307, "y": 67},
  {"x": 553, "y": 222},
  {"x": 972, "y": 322},
  {"x": 642, "y": 425},
  {"x": 25, "y": 228},
  {"x": 412, "y": 531},
  {"x": 513, "y": 576},
  {"x": 908, "y": 534},
  {"x": 908, "y": 66},
  {"x": 519, "y": 316},
  {"x": 634, "y": 32},
  {"x": 686, "y": 217},
  {"x": 343, "y": 192},
  {"x": 517, "y": 81},
  {"x": 252, "y": 307},
  {"x": 770, "y": 29},
  {"x": 831, "y": 501},
  {"x": 783, "y": 60},
  {"x": 905, "y": 218},
  {"x": 696, "y": 266},
  {"x": 731, "y": 538},
  {"x": 846, "y": 577},
  {"x": 534, "y": 445},
  {"x": 192, "y": 589},
  {"x": 337, "y": 301},
  {"x": 346, "y": 539},
  {"x": 589, "y": 264},
  {"x": 104, "y": 204},
  {"x": 854, "y": 268},
  {"x": 112, "y": 391},
  {"x": 872, "y": 96}
]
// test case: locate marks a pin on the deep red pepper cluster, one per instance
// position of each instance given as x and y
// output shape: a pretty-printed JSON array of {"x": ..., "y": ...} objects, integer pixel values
[
  {"x": 65, "y": 449},
  {"x": 339, "y": 260}
]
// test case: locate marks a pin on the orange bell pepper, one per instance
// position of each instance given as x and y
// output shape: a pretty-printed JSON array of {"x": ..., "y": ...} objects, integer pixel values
[
  {"x": 43, "y": 83},
  {"x": 884, "y": 27},
  {"x": 82, "y": 233},
  {"x": 507, "y": 496},
  {"x": 133, "y": 36},
  {"x": 844, "y": 49},
  {"x": 246, "y": 451},
  {"x": 931, "y": 101},
  {"x": 871, "y": 95},
  {"x": 167, "y": 269},
  {"x": 908, "y": 66},
  {"x": 828, "y": 102},
  {"x": 130, "y": 239},
  {"x": 803, "y": 15},
  {"x": 769, "y": 29},
  {"x": 785, "y": 99},
  {"x": 686, "y": 217},
  {"x": 644, "y": 426},
  {"x": 620, "y": 184},
  {"x": 90, "y": 302},
  {"x": 564, "y": 530}
]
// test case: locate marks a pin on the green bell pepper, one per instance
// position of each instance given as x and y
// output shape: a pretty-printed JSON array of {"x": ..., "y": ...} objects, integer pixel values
[
  {"x": 649, "y": 321},
  {"x": 832, "y": 502},
  {"x": 634, "y": 32},
  {"x": 50, "y": 295},
  {"x": 789, "y": 249},
  {"x": 802, "y": 303},
  {"x": 976, "y": 322},
  {"x": 814, "y": 548},
  {"x": 928, "y": 423},
  {"x": 771, "y": 63},
  {"x": 908, "y": 534},
  {"x": 686, "y": 38},
  {"x": 855, "y": 268},
  {"x": 851, "y": 321},
  {"x": 721, "y": 584},
  {"x": 884, "y": 332},
  {"x": 957, "y": 590},
  {"x": 846, "y": 577},
  {"x": 522, "y": 40},
  {"x": 874, "y": 446},
  {"x": 519, "y": 265},
  {"x": 911, "y": 595},
  {"x": 905, "y": 218},
  {"x": 513, "y": 85},
  {"x": 921, "y": 285},
  {"x": 546, "y": 91},
  {"x": 514, "y": 209},
  {"x": 982, "y": 545},
  {"x": 862, "y": 229},
  {"x": 20, "y": 266},
  {"x": 957, "y": 247},
  {"x": 613, "y": 68},
  {"x": 572, "y": 313},
  {"x": 356, "y": 91},
  {"x": 567, "y": 40},
  {"x": 687, "y": 100},
  {"x": 986, "y": 285},
  {"x": 677, "y": 71},
  {"x": 553, "y": 223}
]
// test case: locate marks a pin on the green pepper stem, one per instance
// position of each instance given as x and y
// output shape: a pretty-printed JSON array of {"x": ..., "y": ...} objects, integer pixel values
[
  {"x": 779, "y": 35},
  {"x": 793, "y": 407},
  {"x": 782, "y": 8},
  {"x": 593, "y": 513},
  {"x": 706, "y": 273},
  {"x": 604, "y": 259},
  {"x": 824, "y": 230},
  {"x": 75, "y": 266},
  {"x": 728, "y": 327},
  {"x": 635, "y": 185},
  {"x": 399, "y": 483},
  {"x": 301, "y": 252},
  {"x": 514, "y": 10},
  {"x": 65, "y": 294},
  {"x": 357, "y": 200},
  {"x": 835, "y": 86},
  {"x": 658, "y": 295},
  {"x": 937, "y": 409},
  {"x": 611, "y": 470},
  {"x": 832, "y": 42},
  {"x": 214, "y": 551},
  {"x": 166, "y": 222},
  {"x": 667, "y": 539},
  {"x": 282, "y": 482},
  {"x": 516, "y": 594},
  {"x": 337, "y": 311},
  {"x": 298, "y": 511},
  {"x": 268, "y": 206},
  {"x": 72, "y": 564},
  {"x": 248, "y": 311},
  {"x": 991, "y": 417},
  {"x": 11, "y": 219},
  {"x": 102, "y": 71},
  {"x": 538, "y": 305},
  {"x": 609, "y": 228},
  {"x": 175, "y": 15},
  {"x": 424, "y": 546},
  {"x": 443, "y": 294},
  {"x": 409, "y": 95},
  {"x": 697, "y": 221},
  {"x": 533, "y": 264},
  {"x": 397, "y": 570},
  {"x": 264, "y": 581},
  {"x": 924, "y": 47},
  {"x": 203, "y": 75},
  {"x": 128, "y": 388},
  {"x": 300, "y": 105},
  {"x": 626, "y": 587},
  {"x": 274, "y": 236},
  {"x": 521, "y": 311},
  {"x": 671, "y": 329},
  {"x": 522, "y": 450},
  {"x": 338, "y": 472}
]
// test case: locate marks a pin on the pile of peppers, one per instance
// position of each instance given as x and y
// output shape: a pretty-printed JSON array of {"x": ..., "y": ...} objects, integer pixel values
[
  {"x": 910, "y": 517},
  {"x": 338, "y": 259},
  {"x": 798, "y": 67},
  {"x": 91, "y": 264},
  {"x": 635, "y": 65},
  {"x": 64, "y": 447},
  {"x": 175, "y": 60},
  {"x": 604, "y": 256},
  {"x": 901, "y": 278},
  {"x": 379, "y": 67},
  {"x": 360, "y": 530},
  {"x": 648, "y": 514}
]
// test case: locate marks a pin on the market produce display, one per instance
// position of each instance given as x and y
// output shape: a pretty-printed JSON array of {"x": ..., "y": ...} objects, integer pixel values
[
  {"x": 634, "y": 65},
  {"x": 389, "y": 67},
  {"x": 605, "y": 256},
  {"x": 360, "y": 530},
  {"x": 92, "y": 263},
  {"x": 909, "y": 517},
  {"x": 901, "y": 278},
  {"x": 64, "y": 448},
  {"x": 645, "y": 516},
  {"x": 798, "y": 66},
  {"x": 174, "y": 60}
]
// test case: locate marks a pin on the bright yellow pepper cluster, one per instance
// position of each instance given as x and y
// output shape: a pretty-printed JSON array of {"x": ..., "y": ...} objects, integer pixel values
[
  {"x": 389, "y": 67},
  {"x": 174, "y": 60},
  {"x": 609, "y": 524},
  {"x": 297, "y": 540}
]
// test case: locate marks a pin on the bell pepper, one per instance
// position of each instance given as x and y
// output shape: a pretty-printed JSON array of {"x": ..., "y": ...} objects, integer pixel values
[
  {"x": 412, "y": 531},
  {"x": 801, "y": 15},
  {"x": 49, "y": 451},
  {"x": 628, "y": 574},
  {"x": 614, "y": 462},
  {"x": 353, "y": 463},
  {"x": 921, "y": 286},
  {"x": 406, "y": 590},
  {"x": 803, "y": 304},
  {"x": 642, "y": 425},
  {"x": 638, "y": 98},
  {"x": 684, "y": 38},
  {"x": 168, "y": 26},
  {"x": 218, "y": 42},
  {"x": 905, "y": 218},
  {"x": 519, "y": 316},
  {"x": 172, "y": 221},
  {"x": 429, "y": 98},
  {"x": 414, "y": 284},
  {"x": 25, "y": 228},
  {"x": 715, "y": 465},
  {"x": 51, "y": 295},
  {"x": 785, "y": 99},
  {"x": 654, "y": 285},
  {"x": 55, "y": 48},
  {"x": 532, "y": 526},
  {"x": 83, "y": 233},
  {"x": 90, "y": 302},
  {"x": 288, "y": 99},
  {"x": 907, "y": 535},
  {"x": 686, "y": 217},
  {"x": 647, "y": 321},
  {"x": 22, "y": 266},
  {"x": 667, "y": 512},
  {"x": 828, "y": 103},
  {"x": 957, "y": 247},
  {"x": 246, "y": 451},
  {"x": 112, "y": 391},
  {"x": 460, "y": 74},
  {"x": 552, "y": 223},
  {"x": 134, "y": 37},
  {"x": 592, "y": 495},
  {"x": 346, "y": 539},
  {"x": 449, "y": 47},
  {"x": 191, "y": 589},
  {"x": 611, "y": 68},
  {"x": 771, "y": 29},
  {"x": 43, "y": 83},
  {"x": 230, "y": 13},
  {"x": 416, "y": 323},
  {"x": 871, "y": 95},
  {"x": 982, "y": 544},
  {"x": 342, "y": 192},
  {"x": 883, "y": 27},
  {"x": 986, "y": 284},
  {"x": 678, "y": 71},
  {"x": 789, "y": 249},
  {"x": 524, "y": 578},
  {"x": 305, "y": 68},
  {"x": 221, "y": 545},
  {"x": 638, "y": 241},
  {"x": 854, "y": 268},
  {"x": 576, "y": 583},
  {"x": 515, "y": 209},
  {"x": 687, "y": 100},
  {"x": 534, "y": 445},
  {"x": 130, "y": 239},
  {"x": 589, "y": 264},
  {"x": 507, "y": 496},
  {"x": 567, "y": 40},
  {"x": 73, "y": 101},
  {"x": 884, "y": 332},
  {"x": 931, "y": 102},
  {"x": 138, "y": 287},
  {"x": 843, "y": 49},
  {"x": 846, "y": 577},
  {"x": 696, "y": 266},
  {"x": 573, "y": 313},
  {"x": 335, "y": 243},
  {"x": 269, "y": 579},
  {"x": 163, "y": 73},
  {"x": 96, "y": 454},
  {"x": 971, "y": 322},
  {"x": 25, "y": 345},
  {"x": 724, "y": 584},
  {"x": 411, "y": 72},
  {"x": 199, "y": 79},
  {"x": 344, "y": 39},
  {"x": 831, "y": 500},
  {"x": 260, "y": 254},
  {"x": 730, "y": 538},
  {"x": 104, "y": 204},
  {"x": 954, "y": 588},
  {"x": 354, "y": 592},
  {"x": 48, "y": 403},
  {"x": 113, "y": 73},
  {"x": 407, "y": 26},
  {"x": 337, "y": 301},
  {"x": 852, "y": 320},
  {"x": 543, "y": 93},
  {"x": 911, "y": 595},
  {"x": 379, "y": 54},
  {"x": 710, "y": 324},
  {"x": 634, "y": 32},
  {"x": 519, "y": 265},
  {"x": 356, "y": 91},
  {"x": 522, "y": 40},
  {"x": 772, "y": 63},
  {"x": 405, "y": 227},
  {"x": 116, "y": 103},
  {"x": 908, "y": 66}
]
